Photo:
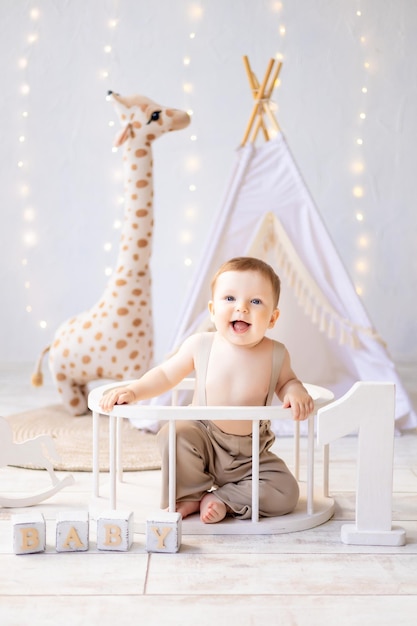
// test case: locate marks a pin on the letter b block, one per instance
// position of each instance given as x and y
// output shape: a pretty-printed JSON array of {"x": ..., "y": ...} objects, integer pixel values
[
  {"x": 29, "y": 533},
  {"x": 163, "y": 532},
  {"x": 115, "y": 530},
  {"x": 72, "y": 531}
]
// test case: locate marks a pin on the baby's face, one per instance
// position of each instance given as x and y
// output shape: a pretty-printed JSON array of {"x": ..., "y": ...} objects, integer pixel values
[{"x": 243, "y": 307}]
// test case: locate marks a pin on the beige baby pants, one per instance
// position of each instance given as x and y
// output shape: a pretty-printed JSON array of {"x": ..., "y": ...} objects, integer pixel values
[{"x": 208, "y": 458}]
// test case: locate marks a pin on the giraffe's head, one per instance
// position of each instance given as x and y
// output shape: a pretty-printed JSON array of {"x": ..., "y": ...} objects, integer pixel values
[{"x": 140, "y": 117}]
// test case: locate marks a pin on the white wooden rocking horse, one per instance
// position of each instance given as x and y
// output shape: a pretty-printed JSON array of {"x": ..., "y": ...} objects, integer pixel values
[{"x": 36, "y": 452}]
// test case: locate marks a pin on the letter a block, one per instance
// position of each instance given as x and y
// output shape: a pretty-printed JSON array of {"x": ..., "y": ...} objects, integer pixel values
[
  {"x": 72, "y": 531},
  {"x": 29, "y": 533},
  {"x": 115, "y": 530},
  {"x": 163, "y": 532}
]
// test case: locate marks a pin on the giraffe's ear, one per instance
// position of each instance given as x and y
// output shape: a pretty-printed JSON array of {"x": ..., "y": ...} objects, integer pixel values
[{"x": 123, "y": 135}]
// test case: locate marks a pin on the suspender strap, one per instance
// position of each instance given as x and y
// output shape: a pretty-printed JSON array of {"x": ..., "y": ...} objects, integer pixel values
[
  {"x": 278, "y": 353},
  {"x": 206, "y": 341}
]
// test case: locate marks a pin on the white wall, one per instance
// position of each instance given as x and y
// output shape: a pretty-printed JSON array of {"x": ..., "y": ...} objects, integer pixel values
[{"x": 73, "y": 179}]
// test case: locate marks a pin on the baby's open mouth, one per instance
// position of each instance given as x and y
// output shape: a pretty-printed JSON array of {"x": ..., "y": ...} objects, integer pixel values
[{"x": 239, "y": 326}]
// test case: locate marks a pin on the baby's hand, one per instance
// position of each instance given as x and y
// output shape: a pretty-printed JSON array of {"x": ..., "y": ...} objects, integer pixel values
[
  {"x": 120, "y": 395},
  {"x": 301, "y": 404}
]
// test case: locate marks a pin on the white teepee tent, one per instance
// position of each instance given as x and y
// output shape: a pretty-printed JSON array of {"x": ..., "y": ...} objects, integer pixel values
[{"x": 268, "y": 212}]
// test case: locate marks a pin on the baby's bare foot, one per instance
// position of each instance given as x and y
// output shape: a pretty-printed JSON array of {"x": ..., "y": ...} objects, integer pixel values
[
  {"x": 187, "y": 508},
  {"x": 212, "y": 509}
]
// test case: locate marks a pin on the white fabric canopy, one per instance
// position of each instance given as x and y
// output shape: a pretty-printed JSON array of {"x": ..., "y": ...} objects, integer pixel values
[{"x": 268, "y": 212}]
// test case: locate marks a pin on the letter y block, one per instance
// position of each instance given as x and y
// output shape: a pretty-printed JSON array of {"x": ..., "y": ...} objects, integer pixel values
[{"x": 163, "y": 532}]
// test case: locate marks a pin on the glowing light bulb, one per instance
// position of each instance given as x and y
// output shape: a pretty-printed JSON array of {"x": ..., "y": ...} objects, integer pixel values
[
  {"x": 190, "y": 112},
  {"x": 358, "y": 13},
  {"x": 117, "y": 224},
  {"x": 34, "y": 14},
  {"x": 186, "y": 236},
  {"x": 114, "y": 149},
  {"x": 361, "y": 266},
  {"x": 195, "y": 11},
  {"x": 359, "y": 141},
  {"x": 363, "y": 241},
  {"x": 112, "y": 23},
  {"x": 29, "y": 214},
  {"x": 357, "y": 167},
  {"x": 111, "y": 123},
  {"x": 43, "y": 324},
  {"x": 108, "y": 271},
  {"x": 188, "y": 262},
  {"x": 25, "y": 114},
  {"x": 190, "y": 213},
  {"x": 22, "y": 138},
  {"x": 192, "y": 187},
  {"x": 30, "y": 239},
  {"x": 187, "y": 87},
  {"x": 359, "y": 216},
  {"x": 24, "y": 90},
  {"x": 279, "y": 56},
  {"x": 364, "y": 90},
  {"x": 192, "y": 164},
  {"x": 32, "y": 38},
  {"x": 358, "y": 192},
  {"x": 282, "y": 31},
  {"x": 22, "y": 63},
  {"x": 186, "y": 60},
  {"x": 193, "y": 138},
  {"x": 192, "y": 35},
  {"x": 362, "y": 116},
  {"x": 20, "y": 164},
  {"x": 107, "y": 246},
  {"x": 28, "y": 309},
  {"x": 359, "y": 290},
  {"x": 107, "y": 49}
]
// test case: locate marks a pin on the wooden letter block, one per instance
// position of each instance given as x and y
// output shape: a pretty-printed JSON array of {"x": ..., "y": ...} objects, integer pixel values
[
  {"x": 163, "y": 532},
  {"x": 29, "y": 533},
  {"x": 72, "y": 531},
  {"x": 115, "y": 530}
]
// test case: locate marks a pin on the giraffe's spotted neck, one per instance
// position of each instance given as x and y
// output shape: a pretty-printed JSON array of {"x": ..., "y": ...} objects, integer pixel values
[{"x": 137, "y": 230}]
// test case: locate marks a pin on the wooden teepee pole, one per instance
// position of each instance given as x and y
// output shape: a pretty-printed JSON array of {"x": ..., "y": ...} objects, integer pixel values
[
  {"x": 262, "y": 94},
  {"x": 258, "y": 98}
]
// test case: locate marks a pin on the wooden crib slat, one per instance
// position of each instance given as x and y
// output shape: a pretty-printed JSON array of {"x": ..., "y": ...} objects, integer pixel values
[{"x": 255, "y": 470}]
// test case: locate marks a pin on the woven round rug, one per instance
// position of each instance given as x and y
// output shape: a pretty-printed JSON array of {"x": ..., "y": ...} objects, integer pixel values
[{"x": 73, "y": 439}]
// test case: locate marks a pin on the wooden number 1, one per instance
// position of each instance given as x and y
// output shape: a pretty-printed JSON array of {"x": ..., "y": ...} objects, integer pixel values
[{"x": 369, "y": 408}]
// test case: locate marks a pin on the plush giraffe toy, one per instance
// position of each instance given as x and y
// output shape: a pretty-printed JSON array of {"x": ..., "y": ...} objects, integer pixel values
[{"x": 114, "y": 339}]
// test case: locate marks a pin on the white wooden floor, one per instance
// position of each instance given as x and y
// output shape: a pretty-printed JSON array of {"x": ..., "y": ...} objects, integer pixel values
[{"x": 302, "y": 579}]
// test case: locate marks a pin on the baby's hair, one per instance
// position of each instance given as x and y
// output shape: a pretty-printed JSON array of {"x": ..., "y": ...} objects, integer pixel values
[{"x": 250, "y": 264}]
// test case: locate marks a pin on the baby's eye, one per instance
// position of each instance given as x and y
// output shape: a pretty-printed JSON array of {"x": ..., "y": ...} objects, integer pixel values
[
  {"x": 256, "y": 301},
  {"x": 229, "y": 298}
]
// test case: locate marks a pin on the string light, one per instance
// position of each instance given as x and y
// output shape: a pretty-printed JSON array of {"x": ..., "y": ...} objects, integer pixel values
[
  {"x": 363, "y": 242},
  {"x": 29, "y": 235},
  {"x": 106, "y": 74},
  {"x": 192, "y": 162}
]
